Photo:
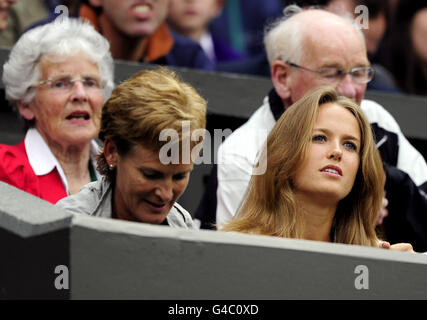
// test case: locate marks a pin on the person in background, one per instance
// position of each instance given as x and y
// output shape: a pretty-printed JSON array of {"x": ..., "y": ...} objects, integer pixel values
[
  {"x": 378, "y": 18},
  {"x": 192, "y": 19},
  {"x": 137, "y": 31},
  {"x": 4, "y": 8},
  {"x": 27, "y": 12},
  {"x": 57, "y": 77},
  {"x": 139, "y": 183},
  {"x": 405, "y": 48},
  {"x": 374, "y": 29},
  {"x": 241, "y": 25}
]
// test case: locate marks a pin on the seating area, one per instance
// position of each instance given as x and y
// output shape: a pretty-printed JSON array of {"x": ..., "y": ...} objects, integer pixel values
[
  {"x": 228, "y": 110},
  {"x": 104, "y": 258}
]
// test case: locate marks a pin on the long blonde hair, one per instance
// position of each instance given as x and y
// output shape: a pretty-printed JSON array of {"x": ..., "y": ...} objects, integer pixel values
[{"x": 269, "y": 205}]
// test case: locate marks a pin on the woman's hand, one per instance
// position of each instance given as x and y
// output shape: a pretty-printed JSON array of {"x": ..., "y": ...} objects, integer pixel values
[{"x": 406, "y": 247}]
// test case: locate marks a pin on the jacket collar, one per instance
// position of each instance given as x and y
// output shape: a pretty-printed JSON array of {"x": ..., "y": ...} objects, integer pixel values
[
  {"x": 276, "y": 105},
  {"x": 43, "y": 161},
  {"x": 105, "y": 199}
]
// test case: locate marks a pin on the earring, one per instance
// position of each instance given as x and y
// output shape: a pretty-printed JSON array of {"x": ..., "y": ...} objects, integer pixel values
[{"x": 111, "y": 167}]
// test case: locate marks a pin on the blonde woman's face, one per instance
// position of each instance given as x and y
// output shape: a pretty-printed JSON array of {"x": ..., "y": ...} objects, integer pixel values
[{"x": 332, "y": 161}]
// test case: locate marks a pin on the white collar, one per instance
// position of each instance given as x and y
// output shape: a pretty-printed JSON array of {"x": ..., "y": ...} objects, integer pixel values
[
  {"x": 43, "y": 161},
  {"x": 206, "y": 42}
]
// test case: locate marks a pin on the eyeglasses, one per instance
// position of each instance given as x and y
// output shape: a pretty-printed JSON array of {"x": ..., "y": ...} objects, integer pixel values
[
  {"x": 65, "y": 84},
  {"x": 359, "y": 75}
]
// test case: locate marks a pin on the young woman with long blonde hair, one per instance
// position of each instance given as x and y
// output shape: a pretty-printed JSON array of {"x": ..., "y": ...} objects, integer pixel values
[{"x": 324, "y": 179}]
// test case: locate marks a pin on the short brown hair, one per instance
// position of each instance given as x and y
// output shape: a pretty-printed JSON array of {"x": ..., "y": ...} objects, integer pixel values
[{"x": 144, "y": 105}]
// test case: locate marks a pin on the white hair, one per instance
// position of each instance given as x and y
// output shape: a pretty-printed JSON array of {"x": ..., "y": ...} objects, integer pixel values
[
  {"x": 61, "y": 38},
  {"x": 283, "y": 38}
]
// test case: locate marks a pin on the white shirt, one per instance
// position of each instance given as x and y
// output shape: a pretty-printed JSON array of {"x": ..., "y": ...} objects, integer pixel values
[
  {"x": 42, "y": 159},
  {"x": 207, "y": 45}
]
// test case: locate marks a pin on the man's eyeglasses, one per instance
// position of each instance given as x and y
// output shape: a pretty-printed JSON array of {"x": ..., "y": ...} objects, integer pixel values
[
  {"x": 66, "y": 83},
  {"x": 359, "y": 75}
]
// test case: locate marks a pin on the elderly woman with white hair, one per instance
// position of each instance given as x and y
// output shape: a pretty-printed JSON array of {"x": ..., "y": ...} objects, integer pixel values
[{"x": 57, "y": 77}]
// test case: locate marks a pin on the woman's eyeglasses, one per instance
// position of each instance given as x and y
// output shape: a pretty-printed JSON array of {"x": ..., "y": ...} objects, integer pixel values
[{"x": 65, "y": 84}]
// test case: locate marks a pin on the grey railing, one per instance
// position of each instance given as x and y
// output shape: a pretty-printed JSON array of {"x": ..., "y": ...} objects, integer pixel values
[{"x": 47, "y": 253}]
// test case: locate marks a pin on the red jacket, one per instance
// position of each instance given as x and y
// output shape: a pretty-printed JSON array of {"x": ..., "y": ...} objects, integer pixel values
[{"x": 16, "y": 170}]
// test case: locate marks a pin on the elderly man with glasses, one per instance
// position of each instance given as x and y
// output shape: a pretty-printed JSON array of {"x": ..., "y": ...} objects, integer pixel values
[{"x": 307, "y": 49}]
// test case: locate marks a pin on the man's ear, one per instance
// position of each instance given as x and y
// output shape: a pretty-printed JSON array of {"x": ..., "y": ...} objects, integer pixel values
[
  {"x": 95, "y": 3},
  {"x": 280, "y": 76},
  {"x": 110, "y": 152},
  {"x": 25, "y": 111}
]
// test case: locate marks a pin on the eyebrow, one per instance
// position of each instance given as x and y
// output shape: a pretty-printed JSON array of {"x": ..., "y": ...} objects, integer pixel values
[
  {"x": 141, "y": 169},
  {"x": 84, "y": 75},
  {"x": 328, "y": 132},
  {"x": 336, "y": 65},
  {"x": 330, "y": 65}
]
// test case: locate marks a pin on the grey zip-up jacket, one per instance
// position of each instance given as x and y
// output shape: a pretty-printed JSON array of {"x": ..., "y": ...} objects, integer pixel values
[{"x": 95, "y": 199}]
